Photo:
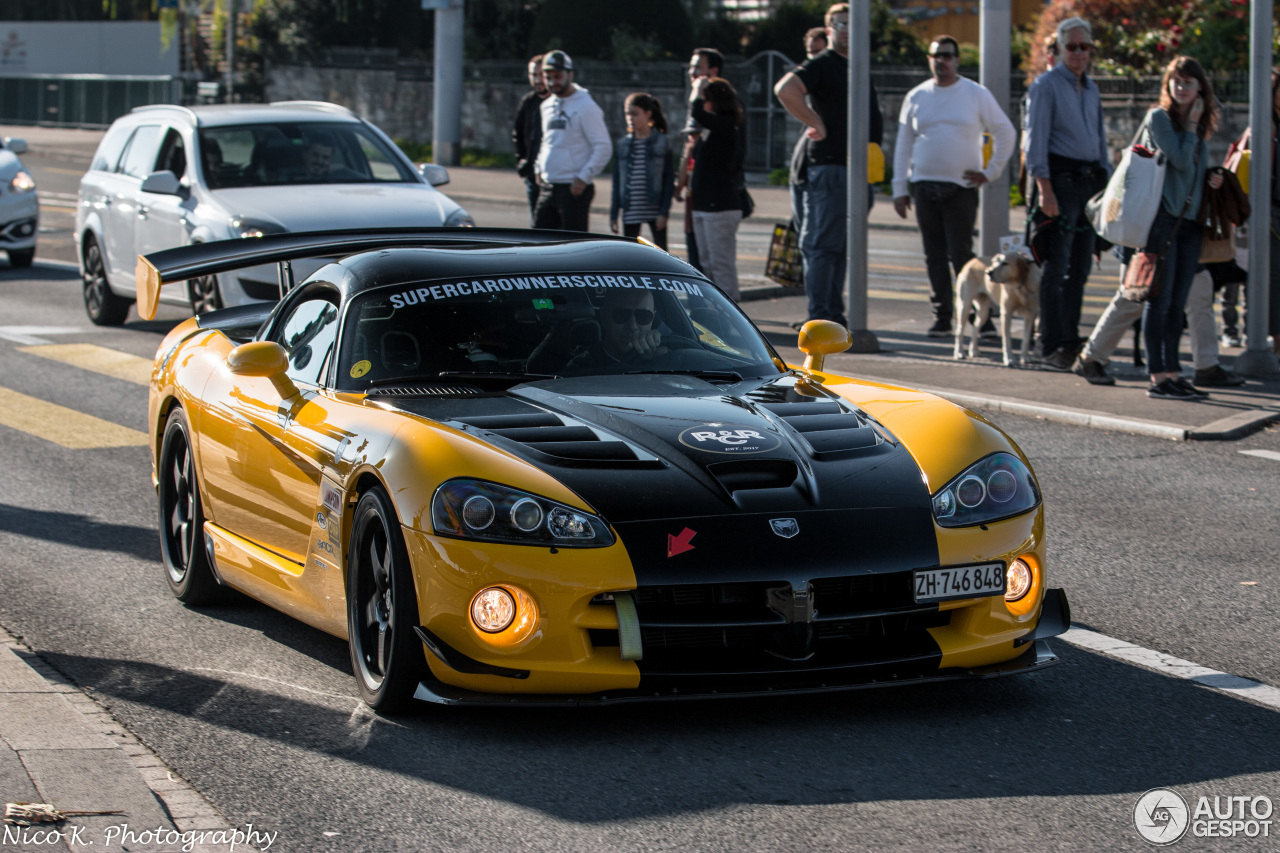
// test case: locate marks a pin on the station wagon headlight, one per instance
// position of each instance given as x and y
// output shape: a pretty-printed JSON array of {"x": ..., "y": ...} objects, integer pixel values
[
  {"x": 22, "y": 182},
  {"x": 459, "y": 219},
  {"x": 244, "y": 227},
  {"x": 476, "y": 509},
  {"x": 999, "y": 486}
]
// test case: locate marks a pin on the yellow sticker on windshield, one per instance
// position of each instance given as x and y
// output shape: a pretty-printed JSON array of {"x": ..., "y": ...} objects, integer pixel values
[{"x": 360, "y": 368}]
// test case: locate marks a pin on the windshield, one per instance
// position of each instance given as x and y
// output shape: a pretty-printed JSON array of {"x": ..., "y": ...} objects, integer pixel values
[
  {"x": 263, "y": 155},
  {"x": 552, "y": 325}
]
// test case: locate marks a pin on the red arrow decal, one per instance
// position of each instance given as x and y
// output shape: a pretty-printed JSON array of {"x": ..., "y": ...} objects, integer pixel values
[{"x": 680, "y": 544}]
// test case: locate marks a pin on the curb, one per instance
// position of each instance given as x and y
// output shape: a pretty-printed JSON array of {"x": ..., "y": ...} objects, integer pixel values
[{"x": 185, "y": 807}]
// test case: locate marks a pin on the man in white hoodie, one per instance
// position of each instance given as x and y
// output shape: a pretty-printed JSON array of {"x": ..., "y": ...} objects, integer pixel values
[
  {"x": 575, "y": 148},
  {"x": 938, "y": 161}
]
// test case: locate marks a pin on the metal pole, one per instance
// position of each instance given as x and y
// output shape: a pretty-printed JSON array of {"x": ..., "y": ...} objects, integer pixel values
[
  {"x": 233, "y": 8},
  {"x": 446, "y": 131},
  {"x": 1258, "y": 359},
  {"x": 864, "y": 340},
  {"x": 994, "y": 73}
]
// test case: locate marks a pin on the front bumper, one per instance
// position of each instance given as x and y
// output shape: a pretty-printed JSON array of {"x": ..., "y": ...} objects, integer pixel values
[{"x": 19, "y": 233}]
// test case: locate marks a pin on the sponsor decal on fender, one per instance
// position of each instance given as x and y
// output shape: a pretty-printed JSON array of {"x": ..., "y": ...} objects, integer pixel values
[{"x": 729, "y": 438}]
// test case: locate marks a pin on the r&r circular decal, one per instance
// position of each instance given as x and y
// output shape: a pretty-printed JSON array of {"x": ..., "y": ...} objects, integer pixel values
[
  {"x": 729, "y": 438},
  {"x": 360, "y": 368}
]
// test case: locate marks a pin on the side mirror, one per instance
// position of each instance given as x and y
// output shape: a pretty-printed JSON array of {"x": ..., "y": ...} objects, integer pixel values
[
  {"x": 263, "y": 358},
  {"x": 821, "y": 338},
  {"x": 162, "y": 183},
  {"x": 17, "y": 146},
  {"x": 437, "y": 176}
]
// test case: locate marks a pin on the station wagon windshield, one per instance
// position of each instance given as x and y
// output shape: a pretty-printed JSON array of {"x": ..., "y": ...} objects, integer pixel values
[{"x": 274, "y": 154}]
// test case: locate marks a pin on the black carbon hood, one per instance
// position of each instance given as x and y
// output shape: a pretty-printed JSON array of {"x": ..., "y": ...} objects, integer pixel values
[{"x": 761, "y": 472}]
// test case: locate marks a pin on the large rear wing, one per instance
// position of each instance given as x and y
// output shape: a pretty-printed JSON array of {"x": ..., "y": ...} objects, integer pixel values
[{"x": 201, "y": 259}]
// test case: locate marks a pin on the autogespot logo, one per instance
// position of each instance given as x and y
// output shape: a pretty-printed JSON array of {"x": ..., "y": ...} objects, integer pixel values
[{"x": 1161, "y": 816}]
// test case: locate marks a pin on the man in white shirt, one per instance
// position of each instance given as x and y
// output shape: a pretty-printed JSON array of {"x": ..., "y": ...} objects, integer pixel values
[
  {"x": 575, "y": 148},
  {"x": 937, "y": 160}
]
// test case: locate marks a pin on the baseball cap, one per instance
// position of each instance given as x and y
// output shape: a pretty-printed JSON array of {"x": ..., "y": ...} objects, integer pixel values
[{"x": 557, "y": 60}]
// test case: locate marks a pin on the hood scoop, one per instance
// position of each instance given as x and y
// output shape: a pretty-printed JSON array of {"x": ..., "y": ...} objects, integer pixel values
[
  {"x": 830, "y": 430},
  {"x": 558, "y": 439}
]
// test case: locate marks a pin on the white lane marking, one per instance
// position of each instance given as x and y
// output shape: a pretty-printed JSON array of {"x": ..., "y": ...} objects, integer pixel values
[
  {"x": 1231, "y": 685},
  {"x": 30, "y": 335},
  {"x": 1263, "y": 454}
]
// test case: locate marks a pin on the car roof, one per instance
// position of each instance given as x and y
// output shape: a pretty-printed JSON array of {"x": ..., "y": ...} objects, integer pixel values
[{"x": 218, "y": 115}]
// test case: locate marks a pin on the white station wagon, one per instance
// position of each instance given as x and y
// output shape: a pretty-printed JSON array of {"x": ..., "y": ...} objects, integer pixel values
[{"x": 166, "y": 176}]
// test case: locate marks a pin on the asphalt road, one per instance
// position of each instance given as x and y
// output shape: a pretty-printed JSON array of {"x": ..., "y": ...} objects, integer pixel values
[{"x": 1169, "y": 546}]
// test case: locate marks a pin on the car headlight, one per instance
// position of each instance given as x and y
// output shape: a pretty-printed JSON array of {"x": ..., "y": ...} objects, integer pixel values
[
  {"x": 242, "y": 226},
  {"x": 22, "y": 182},
  {"x": 475, "y": 509},
  {"x": 999, "y": 486},
  {"x": 459, "y": 219}
]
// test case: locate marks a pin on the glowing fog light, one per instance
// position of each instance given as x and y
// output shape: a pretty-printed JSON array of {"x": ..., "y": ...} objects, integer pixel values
[
  {"x": 478, "y": 512},
  {"x": 493, "y": 610},
  {"x": 1017, "y": 580},
  {"x": 526, "y": 515}
]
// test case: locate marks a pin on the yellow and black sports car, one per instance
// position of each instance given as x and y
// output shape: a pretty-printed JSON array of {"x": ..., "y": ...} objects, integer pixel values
[{"x": 529, "y": 466}]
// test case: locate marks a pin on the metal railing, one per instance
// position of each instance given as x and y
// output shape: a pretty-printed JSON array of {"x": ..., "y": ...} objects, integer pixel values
[{"x": 79, "y": 100}]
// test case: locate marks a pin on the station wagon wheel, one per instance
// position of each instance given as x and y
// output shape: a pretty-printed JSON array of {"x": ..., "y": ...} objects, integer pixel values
[
  {"x": 103, "y": 307},
  {"x": 382, "y": 607},
  {"x": 204, "y": 294},
  {"x": 186, "y": 565}
]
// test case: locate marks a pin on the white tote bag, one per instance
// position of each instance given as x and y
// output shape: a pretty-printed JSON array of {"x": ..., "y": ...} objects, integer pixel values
[{"x": 1124, "y": 211}]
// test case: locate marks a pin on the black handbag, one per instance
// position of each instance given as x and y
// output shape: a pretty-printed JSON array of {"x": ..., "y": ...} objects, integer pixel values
[{"x": 745, "y": 201}]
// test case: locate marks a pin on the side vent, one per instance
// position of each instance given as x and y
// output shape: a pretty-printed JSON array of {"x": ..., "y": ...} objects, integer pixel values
[{"x": 830, "y": 429}]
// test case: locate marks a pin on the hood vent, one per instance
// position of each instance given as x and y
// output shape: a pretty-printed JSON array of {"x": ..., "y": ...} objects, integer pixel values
[
  {"x": 831, "y": 430},
  {"x": 444, "y": 389},
  {"x": 558, "y": 439},
  {"x": 742, "y": 475}
]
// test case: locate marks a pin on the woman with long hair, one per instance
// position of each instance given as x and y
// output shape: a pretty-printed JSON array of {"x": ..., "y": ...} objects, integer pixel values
[
  {"x": 717, "y": 181},
  {"x": 643, "y": 175},
  {"x": 1178, "y": 126}
]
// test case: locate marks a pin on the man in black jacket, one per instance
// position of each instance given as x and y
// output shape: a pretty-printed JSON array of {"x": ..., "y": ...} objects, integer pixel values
[{"x": 527, "y": 131}]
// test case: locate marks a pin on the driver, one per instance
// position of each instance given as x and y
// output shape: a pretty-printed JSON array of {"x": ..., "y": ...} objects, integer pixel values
[{"x": 627, "y": 333}]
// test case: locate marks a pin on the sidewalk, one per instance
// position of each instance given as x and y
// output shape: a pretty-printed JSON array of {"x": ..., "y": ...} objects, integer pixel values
[{"x": 57, "y": 746}]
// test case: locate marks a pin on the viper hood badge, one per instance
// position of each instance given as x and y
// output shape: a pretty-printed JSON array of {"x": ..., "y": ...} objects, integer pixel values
[{"x": 784, "y": 527}]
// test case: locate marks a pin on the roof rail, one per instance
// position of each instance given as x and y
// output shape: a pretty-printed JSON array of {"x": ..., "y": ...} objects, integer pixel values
[
  {"x": 190, "y": 112},
  {"x": 320, "y": 105},
  {"x": 199, "y": 259}
]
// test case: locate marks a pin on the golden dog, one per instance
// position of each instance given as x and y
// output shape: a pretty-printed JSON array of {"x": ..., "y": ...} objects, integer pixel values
[{"x": 1010, "y": 281}]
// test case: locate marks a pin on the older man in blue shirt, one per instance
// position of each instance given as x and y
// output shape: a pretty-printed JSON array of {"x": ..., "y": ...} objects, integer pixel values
[{"x": 1067, "y": 156}]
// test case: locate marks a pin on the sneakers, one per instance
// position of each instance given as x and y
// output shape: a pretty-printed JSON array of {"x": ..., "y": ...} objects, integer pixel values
[
  {"x": 1216, "y": 377},
  {"x": 1168, "y": 389},
  {"x": 1231, "y": 338},
  {"x": 1059, "y": 359},
  {"x": 1191, "y": 389},
  {"x": 1094, "y": 372},
  {"x": 940, "y": 329}
]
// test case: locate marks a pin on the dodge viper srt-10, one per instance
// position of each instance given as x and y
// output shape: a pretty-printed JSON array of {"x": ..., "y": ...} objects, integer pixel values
[{"x": 523, "y": 466}]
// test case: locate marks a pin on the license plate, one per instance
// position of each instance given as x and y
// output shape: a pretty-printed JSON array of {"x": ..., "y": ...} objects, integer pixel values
[{"x": 959, "y": 582}]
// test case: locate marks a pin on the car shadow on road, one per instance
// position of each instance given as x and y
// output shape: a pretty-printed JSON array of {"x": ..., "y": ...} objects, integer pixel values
[
  {"x": 81, "y": 531},
  {"x": 1092, "y": 726}
]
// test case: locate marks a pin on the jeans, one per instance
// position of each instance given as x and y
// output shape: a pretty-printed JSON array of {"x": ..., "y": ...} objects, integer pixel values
[
  {"x": 559, "y": 208},
  {"x": 1120, "y": 315},
  {"x": 797, "y": 205},
  {"x": 1162, "y": 316},
  {"x": 823, "y": 241},
  {"x": 718, "y": 244},
  {"x": 945, "y": 213},
  {"x": 1066, "y": 269},
  {"x": 531, "y": 190}
]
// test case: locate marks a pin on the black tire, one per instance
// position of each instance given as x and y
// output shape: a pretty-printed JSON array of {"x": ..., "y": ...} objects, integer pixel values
[
  {"x": 382, "y": 608},
  {"x": 103, "y": 307},
  {"x": 204, "y": 293},
  {"x": 22, "y": 257},
  {"x": 186, "y": 565}
]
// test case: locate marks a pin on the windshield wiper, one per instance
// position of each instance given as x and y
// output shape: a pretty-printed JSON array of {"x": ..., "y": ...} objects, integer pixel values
[{"x": 708, "y": 375}]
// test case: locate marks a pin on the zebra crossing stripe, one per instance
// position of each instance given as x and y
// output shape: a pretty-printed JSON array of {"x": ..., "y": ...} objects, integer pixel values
[{"x": 60, "y": 425}]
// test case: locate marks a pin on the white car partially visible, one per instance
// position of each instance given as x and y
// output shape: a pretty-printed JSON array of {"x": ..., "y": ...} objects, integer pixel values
[
  {"x": 19, "y": 210},
  {"x": 166, "y": 176}
]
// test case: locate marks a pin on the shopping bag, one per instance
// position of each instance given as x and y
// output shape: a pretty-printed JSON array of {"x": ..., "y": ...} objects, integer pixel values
[
  {"x": 1143, "y": 277},
  {"x": 1124, "y": 211},
  {"x": 783, "y": 264},
  {"x": 1215, "y": 248}
]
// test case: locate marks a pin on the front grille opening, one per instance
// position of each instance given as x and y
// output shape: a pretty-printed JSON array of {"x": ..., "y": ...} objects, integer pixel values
[
  {"x": 746, "y": 474},
  {"x": 603, "y": 637}
]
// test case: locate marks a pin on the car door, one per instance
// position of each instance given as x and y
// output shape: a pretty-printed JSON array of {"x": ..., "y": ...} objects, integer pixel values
[
  {"x": 162, "y": 220},
  {"x": 258, "y": 483},
  {"x": 120, "y": 220}
]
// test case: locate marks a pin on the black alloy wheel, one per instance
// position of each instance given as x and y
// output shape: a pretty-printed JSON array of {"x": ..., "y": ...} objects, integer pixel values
[
  {"x": 204, "y": 294},
  {"x": 382, "y": 608},
  {"x": 186, "y": 564},
  {"x": 103, "y": 307}
]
